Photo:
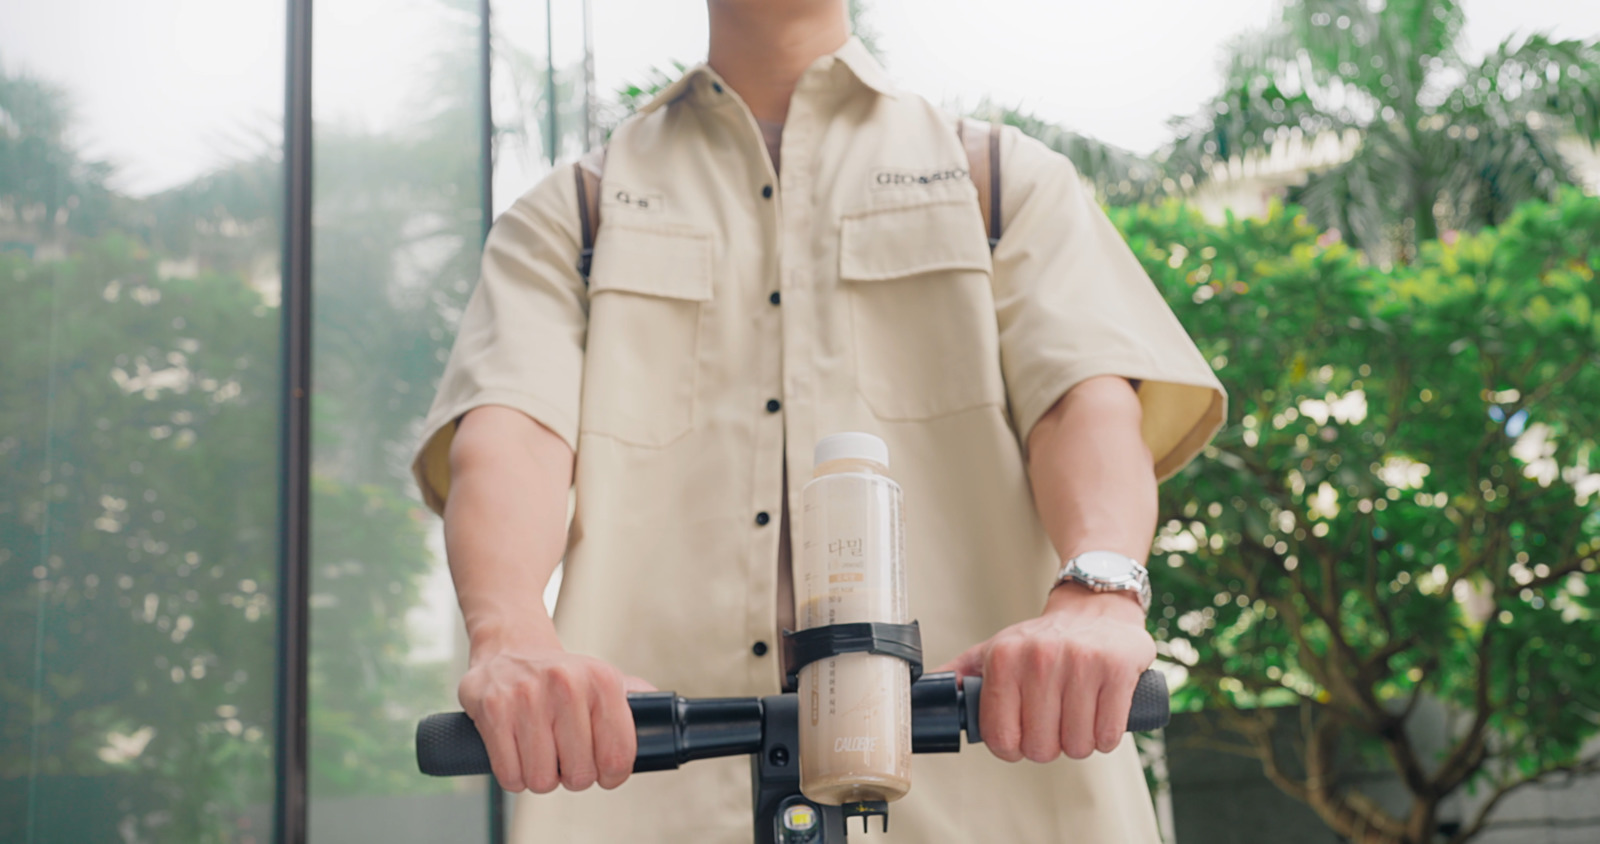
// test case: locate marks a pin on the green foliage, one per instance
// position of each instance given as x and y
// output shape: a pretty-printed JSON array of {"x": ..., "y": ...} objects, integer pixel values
[
  {"x": 137, "y": 538},
  {"x": 1402, "y": 505},
  {"x": 43, "y": 181},
  {"x": 1442, "y": 143},
  {"x": 139, "y": 462},
  {"x": 633, "y": 96},
  {"x": 368, "y": 692}
]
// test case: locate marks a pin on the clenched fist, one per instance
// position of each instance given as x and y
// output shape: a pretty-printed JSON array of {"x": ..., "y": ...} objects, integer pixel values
[
  {"x": 552, "y": 718},
  {"x": 1062, "y": 682}
]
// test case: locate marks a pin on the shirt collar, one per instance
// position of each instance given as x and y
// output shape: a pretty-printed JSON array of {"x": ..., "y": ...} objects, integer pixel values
[{"x": 853, "y": 55}]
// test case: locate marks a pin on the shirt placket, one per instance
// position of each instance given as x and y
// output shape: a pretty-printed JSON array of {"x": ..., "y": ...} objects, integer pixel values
[
  {"x": 797, "y": 270},
  {"x": 771, "y": 404}
]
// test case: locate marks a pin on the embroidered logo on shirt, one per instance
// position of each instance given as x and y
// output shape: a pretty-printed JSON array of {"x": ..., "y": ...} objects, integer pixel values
[
  {"x": 640, "y": 202},
  {"x": 883, "y": 178}
]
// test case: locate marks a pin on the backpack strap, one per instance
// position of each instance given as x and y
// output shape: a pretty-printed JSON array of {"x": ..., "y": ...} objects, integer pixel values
[
  {"x": 586, "y": 179},
  {"x": 983, "y": 162}
]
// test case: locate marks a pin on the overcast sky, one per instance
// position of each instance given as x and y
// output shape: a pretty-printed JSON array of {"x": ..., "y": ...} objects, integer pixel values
[{"x": 170, "y": 88}]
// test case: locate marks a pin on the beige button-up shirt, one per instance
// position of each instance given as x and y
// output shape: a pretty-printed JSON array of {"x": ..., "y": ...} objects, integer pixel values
[{"x": 732, "y": 318}]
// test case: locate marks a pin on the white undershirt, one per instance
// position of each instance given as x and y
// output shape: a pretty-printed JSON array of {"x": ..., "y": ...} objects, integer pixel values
[{"x": 772, "y": 133}]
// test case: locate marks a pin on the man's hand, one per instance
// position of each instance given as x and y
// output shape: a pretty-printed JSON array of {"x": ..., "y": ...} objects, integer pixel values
[
  {"x": 552, "y": 718},
  {"x": 547, "y": 717},
  {"x": 1062, "y": 682}
]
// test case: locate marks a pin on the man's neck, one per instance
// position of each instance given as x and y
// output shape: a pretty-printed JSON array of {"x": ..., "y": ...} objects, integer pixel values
[{"x": 761, "y": 51}]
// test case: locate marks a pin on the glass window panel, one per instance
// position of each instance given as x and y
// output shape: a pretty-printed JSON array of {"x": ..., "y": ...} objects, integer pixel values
[
  {"x": 140, "y": 185},
  {"x": 521, "y": 93},
  {"x": 398, "y": 228}
]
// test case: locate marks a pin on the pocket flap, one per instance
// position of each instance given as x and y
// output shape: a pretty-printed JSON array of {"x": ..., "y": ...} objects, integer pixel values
[
  {"x": 887, "y": 243},
  {"x": 652, "y": 262}
]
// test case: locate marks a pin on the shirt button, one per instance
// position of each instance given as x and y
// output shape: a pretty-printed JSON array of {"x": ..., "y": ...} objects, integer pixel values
[
  {"x": 773, "y": 405},
  {"x": 762, "y": 518},
  {"x": 775, "y": 298},
  {"x": 759, "y": 649},
  {"x": 766, "y": 192}
]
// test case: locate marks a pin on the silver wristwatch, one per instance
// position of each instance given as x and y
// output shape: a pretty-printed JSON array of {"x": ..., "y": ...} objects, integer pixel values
[{"x": 1108, "y": 571}]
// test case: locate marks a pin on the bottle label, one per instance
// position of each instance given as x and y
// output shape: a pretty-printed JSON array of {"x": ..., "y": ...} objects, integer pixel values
[{"x": 855, "y": 729}]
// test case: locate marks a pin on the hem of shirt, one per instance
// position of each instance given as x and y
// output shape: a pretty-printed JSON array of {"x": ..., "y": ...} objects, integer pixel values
[
  {"x": 1200, "y": 432},
  {"x": 431, "y": 466}
]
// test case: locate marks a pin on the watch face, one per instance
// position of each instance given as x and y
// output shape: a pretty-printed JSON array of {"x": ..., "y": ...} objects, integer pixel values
[{"x": 1105, "y": 566}]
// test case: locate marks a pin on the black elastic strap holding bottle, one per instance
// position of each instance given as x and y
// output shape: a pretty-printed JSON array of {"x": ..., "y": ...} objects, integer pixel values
[{"x": 874, "y": 637}]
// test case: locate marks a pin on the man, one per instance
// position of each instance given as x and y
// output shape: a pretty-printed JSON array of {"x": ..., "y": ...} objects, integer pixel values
[{"x": 745, "y": 301}]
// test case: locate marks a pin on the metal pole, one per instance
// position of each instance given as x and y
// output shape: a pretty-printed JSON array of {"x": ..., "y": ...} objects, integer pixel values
[
  {"x": 591, "y": 99},
  {"x": 550, "y": 76},
  {"x": 294, "y": 514},
  {"x": 496, "y": 802},
  {"x": 486, "y": 126}
]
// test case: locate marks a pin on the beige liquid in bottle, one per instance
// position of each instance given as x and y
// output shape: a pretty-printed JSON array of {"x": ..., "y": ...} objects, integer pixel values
[{"x": 855, "y": 709}]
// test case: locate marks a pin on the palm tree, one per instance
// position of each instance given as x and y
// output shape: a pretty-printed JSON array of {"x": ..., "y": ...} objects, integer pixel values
[{"x": 1444, "y": 143}]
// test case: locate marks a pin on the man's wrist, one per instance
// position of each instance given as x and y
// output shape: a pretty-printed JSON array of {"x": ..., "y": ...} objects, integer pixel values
[
  {"x": 1076, "y": 598},
  {"x": 488, "y": 638},
  {"x": 1103, "y": 571}
]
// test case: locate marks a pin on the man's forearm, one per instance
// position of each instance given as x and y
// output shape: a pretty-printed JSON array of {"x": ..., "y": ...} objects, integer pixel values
[
  {"x": 505, "y": 525},
  {"x": 1093, "y": 478},
  {"x": 1063, "y": 682}
]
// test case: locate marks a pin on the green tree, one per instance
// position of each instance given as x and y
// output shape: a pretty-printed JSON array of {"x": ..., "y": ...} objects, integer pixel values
[
  {"x": 1401, "y": 508},
  {"x": 137, "y": 547},
  {"x": 1442, "y": 142},
  {"x": 47, "y": 186},
  {"x": 138, "y": 457}
]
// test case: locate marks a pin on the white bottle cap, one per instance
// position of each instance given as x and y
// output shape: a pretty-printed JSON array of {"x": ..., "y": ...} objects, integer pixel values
[{"x": 853, "y": 446}]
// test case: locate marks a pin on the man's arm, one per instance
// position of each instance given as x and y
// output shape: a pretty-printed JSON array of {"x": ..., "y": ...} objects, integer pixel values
[
  {"x": 547, "y": 717},
  {"x": 1063, "y": 682}
]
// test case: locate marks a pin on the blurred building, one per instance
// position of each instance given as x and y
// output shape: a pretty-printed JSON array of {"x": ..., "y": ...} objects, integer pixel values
[{"x": 1248, "y": 186}]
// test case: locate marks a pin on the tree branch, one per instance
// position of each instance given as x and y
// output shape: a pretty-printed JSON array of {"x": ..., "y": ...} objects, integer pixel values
[
  {"x": 1582, "y": 767},
  {"x": 1571, "y": 560},
  {"x": 1544, "y": 390},
  {"x": 1350, "y": 813},
  {"x": 1398, "y": 745},
  {"x": 1468, "y": 755}
]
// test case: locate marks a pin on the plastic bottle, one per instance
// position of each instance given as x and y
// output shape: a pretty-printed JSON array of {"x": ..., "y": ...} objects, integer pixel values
[{"x": 855, "y": 708}]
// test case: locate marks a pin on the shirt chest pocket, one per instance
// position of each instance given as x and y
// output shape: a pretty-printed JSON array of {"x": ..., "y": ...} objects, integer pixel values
[
  {"x": 921, "y": 309},
  {"x": 641, "y": 364}
]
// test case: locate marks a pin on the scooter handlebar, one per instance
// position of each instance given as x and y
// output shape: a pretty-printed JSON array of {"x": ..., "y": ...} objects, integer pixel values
[{"x": 673, "y": 730}]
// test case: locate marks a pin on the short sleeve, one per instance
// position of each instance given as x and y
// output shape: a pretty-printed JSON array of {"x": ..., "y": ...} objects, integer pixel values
[
  {"x": 521, "y": 339},
  {"x": 1072, "y": 302}
]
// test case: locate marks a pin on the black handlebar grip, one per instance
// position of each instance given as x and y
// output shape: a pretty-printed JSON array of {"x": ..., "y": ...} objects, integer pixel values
[
  {"x": 448, "y": 745},
  {"x": 670, "y": 730},
  {"x": 1152, "y": 708}
]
